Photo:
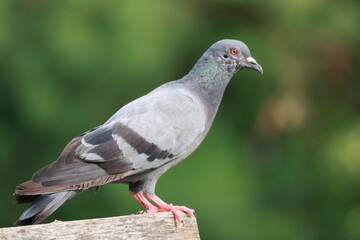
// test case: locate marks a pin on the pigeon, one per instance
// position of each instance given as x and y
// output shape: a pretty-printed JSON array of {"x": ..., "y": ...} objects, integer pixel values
[{"x": 141, "y": 141}]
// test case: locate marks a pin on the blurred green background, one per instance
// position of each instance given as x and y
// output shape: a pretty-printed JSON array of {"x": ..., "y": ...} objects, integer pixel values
[{"x": 282, "y": 159}]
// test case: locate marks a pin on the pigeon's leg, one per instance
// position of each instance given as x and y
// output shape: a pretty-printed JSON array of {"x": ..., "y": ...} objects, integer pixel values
[
  {"x": 141, "y": 199},
  {"x": 164, "y": 207}
]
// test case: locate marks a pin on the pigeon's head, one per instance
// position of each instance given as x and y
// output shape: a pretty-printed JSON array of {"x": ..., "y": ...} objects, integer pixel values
[{"x": 234, "y": 55}]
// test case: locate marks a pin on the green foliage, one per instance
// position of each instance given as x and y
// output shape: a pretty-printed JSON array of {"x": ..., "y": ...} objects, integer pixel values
[{"x": 283, "y": 157}]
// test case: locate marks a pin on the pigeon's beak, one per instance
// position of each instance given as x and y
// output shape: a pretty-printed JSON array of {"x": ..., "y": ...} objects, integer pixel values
[{"x": 252, "y": 64}]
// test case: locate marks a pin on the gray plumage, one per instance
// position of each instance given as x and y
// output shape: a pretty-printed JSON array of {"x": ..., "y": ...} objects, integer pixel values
[{"x": 142, "y": 140}]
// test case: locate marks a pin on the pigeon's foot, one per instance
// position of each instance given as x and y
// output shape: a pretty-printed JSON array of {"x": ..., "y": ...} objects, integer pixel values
[
  {"x": 141, "y": 199},
  {"x": 165, "y": 207},
  {"x": 161, "y": 206}
]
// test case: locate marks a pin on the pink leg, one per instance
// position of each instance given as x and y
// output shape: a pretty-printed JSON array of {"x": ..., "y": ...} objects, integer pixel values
[
  {"x": 164, "y": 207},
  {"x": 161, "y": 205},
  {"x": 141, "y": 199}
]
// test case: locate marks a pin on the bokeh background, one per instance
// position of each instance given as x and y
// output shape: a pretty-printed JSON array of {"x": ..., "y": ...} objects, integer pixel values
[{"x": 282, "y": 160}]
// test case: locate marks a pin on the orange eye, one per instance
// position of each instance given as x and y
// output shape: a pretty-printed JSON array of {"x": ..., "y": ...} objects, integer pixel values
[{"x": 233, "y": 51}]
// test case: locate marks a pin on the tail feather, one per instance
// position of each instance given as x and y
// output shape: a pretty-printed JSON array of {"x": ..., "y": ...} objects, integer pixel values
[
  {"x": 25, "y": 198},
  {"x": 43, "y": 206}
]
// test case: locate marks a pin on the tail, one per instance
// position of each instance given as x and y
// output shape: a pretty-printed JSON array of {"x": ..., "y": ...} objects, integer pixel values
[{"x": 42, "y": 206}]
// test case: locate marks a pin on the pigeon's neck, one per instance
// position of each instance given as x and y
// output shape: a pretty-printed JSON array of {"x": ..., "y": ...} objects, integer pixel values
[{"x": 211, "y": 78}]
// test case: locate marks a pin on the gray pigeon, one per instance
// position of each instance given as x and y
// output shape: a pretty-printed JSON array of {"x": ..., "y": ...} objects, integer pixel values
[{"x": 142, "y": 140}]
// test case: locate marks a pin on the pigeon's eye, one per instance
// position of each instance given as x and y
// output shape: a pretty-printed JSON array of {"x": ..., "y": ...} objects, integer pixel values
[{"x": 234, "y": 51}]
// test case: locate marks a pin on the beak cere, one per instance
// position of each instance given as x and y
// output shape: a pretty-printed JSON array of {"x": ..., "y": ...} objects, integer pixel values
[
  {"x": 252, "y": 64},
  {"x": 251, "y": 60}
]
